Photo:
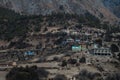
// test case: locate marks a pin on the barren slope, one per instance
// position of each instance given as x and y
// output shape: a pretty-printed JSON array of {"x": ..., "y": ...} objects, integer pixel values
[{"x": 100, "y": 8}]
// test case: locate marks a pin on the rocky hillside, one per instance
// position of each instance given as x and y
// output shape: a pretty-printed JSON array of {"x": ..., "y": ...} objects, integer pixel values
[
  {"x": 114, "y": 6},
  {"x": 56, "y": 15},
  {"x": 106, "y": 10}
]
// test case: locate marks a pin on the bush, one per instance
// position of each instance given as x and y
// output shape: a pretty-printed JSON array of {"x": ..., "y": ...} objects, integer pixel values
[
  {"x": 115, "y": 76},
  {"x": 28, "y": 73},
  {"x": 119, "y": 56},
  {"x": 85, "y": 75},
  {"x": 72, "y": 61},
  {"x": 82, "y": 60},
  {"x": 64, "y": 63},
  {"x": 60, "y": 77}
]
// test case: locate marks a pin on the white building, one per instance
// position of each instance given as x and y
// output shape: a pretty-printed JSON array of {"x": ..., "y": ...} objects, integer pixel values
[{"x": 101, "y": 52}]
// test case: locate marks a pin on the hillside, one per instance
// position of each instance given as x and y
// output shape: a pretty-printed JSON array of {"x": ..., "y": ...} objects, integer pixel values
[
  {"x": 114, "y": 6},
  {"x": 25, "y": 24},
  {"x": 25, "y": 30},
  {"x": 106, "y": 10},
  {"x": 13, "y": 24}
]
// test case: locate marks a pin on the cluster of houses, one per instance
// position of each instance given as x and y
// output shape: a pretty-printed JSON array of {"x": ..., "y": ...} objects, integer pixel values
[
  {"x": 17, "y": 56},
  {"x": 84, "y": 40}
]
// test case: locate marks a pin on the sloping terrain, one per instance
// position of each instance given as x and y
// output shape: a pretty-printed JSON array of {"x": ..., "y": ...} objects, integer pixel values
[
  {"x": 114, "y": 6},
  {"x": 42, "y": 16},
  {"x": 104, "y": 9}
]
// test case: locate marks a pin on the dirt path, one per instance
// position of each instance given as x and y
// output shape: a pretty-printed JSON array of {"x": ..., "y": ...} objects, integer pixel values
[{"x": 2, "y": 75}]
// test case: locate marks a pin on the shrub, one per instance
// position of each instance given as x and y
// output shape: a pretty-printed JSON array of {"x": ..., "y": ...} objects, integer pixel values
[
  {"x": 28, "y": 73},
  {"x": 60, "y": 77}
]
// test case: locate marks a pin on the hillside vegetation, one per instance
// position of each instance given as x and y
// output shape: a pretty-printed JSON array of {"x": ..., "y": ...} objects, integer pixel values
[{"x": 15, "y": 25}]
